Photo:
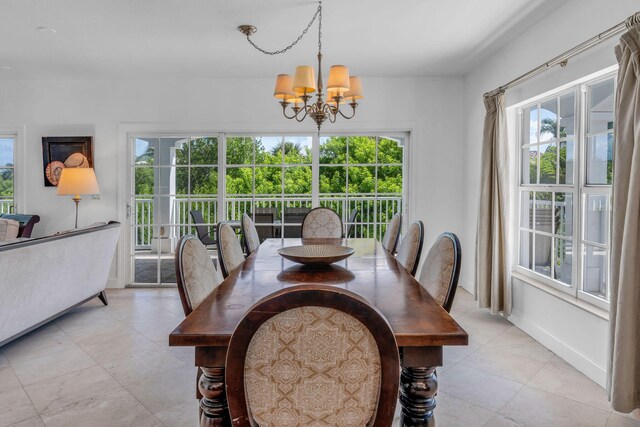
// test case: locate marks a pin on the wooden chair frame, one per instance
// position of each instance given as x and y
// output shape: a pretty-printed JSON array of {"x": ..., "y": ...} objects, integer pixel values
[{"x": 317, "y": 296}]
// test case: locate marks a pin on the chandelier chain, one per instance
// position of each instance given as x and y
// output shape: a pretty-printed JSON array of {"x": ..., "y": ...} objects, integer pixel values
[{"x": 277, "y": 52}]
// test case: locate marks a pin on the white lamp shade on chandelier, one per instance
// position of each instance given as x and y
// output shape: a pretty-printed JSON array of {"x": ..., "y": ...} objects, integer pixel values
[
  {"x": 304, "y": 80},
  {"x": 338, "y": 79}
]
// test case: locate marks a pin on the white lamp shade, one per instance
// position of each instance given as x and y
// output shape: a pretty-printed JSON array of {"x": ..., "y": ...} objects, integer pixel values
[
  {"x": 304, "y": 80},
  {"x": 338, "y": 79},
  {"x": 77, "y": 181},
  {"x": 356, "y": 89},
  {"x": 284, "y": 87}
]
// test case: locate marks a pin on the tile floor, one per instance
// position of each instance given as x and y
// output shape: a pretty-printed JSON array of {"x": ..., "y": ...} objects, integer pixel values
[{"x": 111, "y": 366}]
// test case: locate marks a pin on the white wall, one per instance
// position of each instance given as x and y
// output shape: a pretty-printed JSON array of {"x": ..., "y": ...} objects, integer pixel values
[
  {"x": 430, "y": 107},
  {"x": 540, "y": 314}
]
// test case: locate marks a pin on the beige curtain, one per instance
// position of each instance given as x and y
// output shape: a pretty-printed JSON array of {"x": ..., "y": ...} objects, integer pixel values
[
  {"x": 493, "y": 289},
  {"x": 623, "y": 383}
]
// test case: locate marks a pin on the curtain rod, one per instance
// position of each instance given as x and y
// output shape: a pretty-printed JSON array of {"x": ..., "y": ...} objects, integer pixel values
[{"x": 563, "y": 58}]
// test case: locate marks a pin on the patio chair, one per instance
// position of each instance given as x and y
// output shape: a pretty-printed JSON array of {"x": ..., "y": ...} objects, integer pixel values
[
  {"x": 202, "y": 229},
  {"x": 356, "y": 356},
  {"x": 265, "y": 216},
  {"x": 441, "y": 269},
  {"x": 411, "y": 247},
  {"x": 294, "y": 216},
  {"x": 351, "y": 223}
]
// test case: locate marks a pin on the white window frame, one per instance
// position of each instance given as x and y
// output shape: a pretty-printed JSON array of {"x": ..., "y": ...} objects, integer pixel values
[
  {"x": 579, "y": 189},
  {"x": 18, "y": 134}
]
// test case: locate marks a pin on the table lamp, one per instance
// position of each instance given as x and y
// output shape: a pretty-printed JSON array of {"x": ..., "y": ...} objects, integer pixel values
[{"x": 77, "y": 181}]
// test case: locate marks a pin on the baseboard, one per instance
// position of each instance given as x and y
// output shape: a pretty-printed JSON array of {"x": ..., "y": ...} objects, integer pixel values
[
  {"x": 568, "y": 354},
  {"x": 113, "y": 284}
]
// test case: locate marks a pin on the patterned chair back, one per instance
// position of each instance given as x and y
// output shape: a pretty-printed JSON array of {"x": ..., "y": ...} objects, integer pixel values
[
  {"x": 321, "y": 223},
  {"x": 312, "y": 355},
  {"x": 411, "y": 247},
  {"x": 230, "y": 253},
  {"x": 392, "y": 233},
  {"x": 250, "y": 233},
  {"x": 196, "y": 274},
  {"x": 441, "y": 269}
]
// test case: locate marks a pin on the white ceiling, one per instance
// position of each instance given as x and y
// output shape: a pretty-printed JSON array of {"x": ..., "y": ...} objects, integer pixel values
[{"x": 192, "y": 39}]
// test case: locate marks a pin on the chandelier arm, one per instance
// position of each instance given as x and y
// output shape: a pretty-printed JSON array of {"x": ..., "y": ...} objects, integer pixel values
[
  {"x": 278, "y": 52},
  {"x": 306, "y": 111},
  {"x": 353, "y": 113}
]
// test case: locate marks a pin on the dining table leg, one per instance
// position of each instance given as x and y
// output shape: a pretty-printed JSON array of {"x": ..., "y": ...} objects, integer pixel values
[
  {"x": 418, "y": 388},
  {"x": 213, "y": 405}
]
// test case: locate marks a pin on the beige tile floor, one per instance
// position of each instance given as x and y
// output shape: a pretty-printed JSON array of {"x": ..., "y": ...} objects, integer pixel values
[{"x": 111, "y": 366}]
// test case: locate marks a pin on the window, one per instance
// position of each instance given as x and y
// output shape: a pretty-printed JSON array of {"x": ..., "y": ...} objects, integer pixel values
[
  {"x": 566, "y": 164},
  {"x": 7, "y": 173}
]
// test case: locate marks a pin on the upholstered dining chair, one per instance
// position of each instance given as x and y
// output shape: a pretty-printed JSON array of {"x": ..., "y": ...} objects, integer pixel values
[
  {"x": 321, "y": 223},
  {"x": 312, "y": 355},
  {"x": 201, "y": 229},
  {"x": 195, "y": 272},
  {"x": 250, "y": 233},
  {"x": 411, "y": 247},
  {"x": 441, "y": 269},
  {"x": 392, "y": 234},
  {"x": 230, "y": 253}
]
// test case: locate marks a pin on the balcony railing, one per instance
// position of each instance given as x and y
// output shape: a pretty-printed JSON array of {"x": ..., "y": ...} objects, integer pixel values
[
  {"x": 374, "y": 212},
  {"x": 6, "y": 205}
]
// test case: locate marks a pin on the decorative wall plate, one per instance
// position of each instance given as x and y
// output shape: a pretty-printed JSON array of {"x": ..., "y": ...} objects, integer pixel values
[
  {"x": 316, "y": 254},
  {"x": 53, "y": 172}
]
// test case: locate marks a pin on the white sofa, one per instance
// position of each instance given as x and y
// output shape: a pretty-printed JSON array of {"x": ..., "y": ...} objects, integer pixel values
[{"x": 42, "y": 278}]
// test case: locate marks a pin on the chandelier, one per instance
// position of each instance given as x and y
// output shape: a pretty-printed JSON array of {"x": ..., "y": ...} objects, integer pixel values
[{"x": 296, "y": 92}]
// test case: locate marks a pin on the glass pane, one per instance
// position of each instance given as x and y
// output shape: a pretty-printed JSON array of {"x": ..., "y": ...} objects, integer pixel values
[
  {"x": 145, "y": 151},
  {"x": 167, "y": 257},
  {"x": 530, "y": 125},
  {"x": 163, "y": 213},
  {"x": 600, "y": 159},
  {"x": 548, "y": 161},
  {"x": 595, "y": 271},
  {"x": 204, "y": 151},
  {"x": 601, "y": 103},
  {"x": 269, "y": 150},
  {"x": 297, "y": 180},
  {"x": 530, "y": 165},
  {"x": 204, "y": 180},
  {"x": 144, "y": 180},
  {"x": 543, "y": 255},
  {"x": 236, "y": 206},
  {"x": 146, "y": 267},
  {"x": 173, "y": 151},
  {"x": 389, "y": 151},
  {"x": 333, "y": 150},
  {"x": 362, "y": 149},
  {"x": 239, "y": 181},
  {"x": 172, "y": 180},
  {"x": 297, "y": 150},
  {"x": 526, "y": 249},
  {"x": 549, "y": 120},
  {"x": 543, "y": 211},
  {"x": 6, "y": 151},
  {"x": 143, "y": 231},
  {"x": 180, "y": 184},
  {"x": 239, "y": 150},
  {"x": 390, "y": 180},
  {"x": 568, "y": 116},
  {"x": 526, "y": 209},
  {"x": 208, "y": 206},
  {"x": 567, "y": 162},
  {"x": 6, "y": 183},
  {"x": 333, "y": 179},
  {"x": 269, "y": 180},
  {"x": 362, "y": 179},
  {"x": 563, "y": 269},
  {"x": 596, "y": 226},
  {"x": 563, "y": 223}
]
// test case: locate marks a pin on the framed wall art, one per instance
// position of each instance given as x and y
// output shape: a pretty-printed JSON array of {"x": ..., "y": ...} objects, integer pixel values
[{"x": 59, "y": 152}]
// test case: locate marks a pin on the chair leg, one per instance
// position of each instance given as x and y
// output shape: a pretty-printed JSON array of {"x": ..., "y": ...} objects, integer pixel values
[{"x": 103, "y": 297}]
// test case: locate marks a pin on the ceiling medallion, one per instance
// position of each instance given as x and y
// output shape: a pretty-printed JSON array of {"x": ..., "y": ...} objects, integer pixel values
[{"x": 296, "y": 92}]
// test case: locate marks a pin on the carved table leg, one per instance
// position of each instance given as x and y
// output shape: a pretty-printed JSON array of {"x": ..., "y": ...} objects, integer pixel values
[
  {"x": 214, "y": 401},
  {"x": 418, "y": 388}
]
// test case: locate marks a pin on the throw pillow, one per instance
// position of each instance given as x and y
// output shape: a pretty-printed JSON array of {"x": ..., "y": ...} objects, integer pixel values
[{"x": 9, "y": 229}]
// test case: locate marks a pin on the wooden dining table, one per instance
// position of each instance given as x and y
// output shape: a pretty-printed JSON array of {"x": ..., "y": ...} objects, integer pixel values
[{"x": 420, "y": 325}]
